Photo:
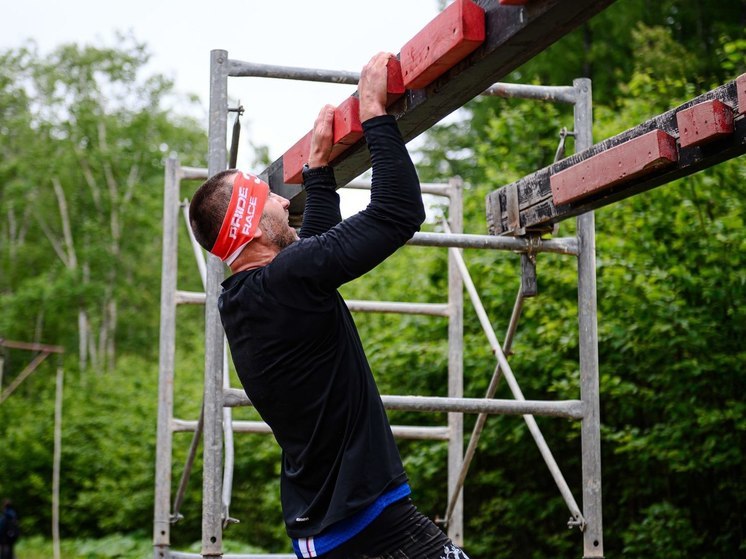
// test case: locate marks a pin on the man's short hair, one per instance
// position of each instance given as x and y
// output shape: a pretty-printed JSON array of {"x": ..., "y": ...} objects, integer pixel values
[{"x": 208, "y": 206}]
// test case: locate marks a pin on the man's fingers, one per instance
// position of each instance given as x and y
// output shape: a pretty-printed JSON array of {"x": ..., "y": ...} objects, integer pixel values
[
  {"x": 321, "y": 139},
  {"x": 325, "y": 118}
]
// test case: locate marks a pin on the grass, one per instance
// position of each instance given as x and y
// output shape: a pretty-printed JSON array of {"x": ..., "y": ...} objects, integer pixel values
[{"x": 115, "y": 546}]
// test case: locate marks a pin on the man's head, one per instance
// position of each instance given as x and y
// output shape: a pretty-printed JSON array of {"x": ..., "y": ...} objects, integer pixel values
[{"x": 233, "y": 208}]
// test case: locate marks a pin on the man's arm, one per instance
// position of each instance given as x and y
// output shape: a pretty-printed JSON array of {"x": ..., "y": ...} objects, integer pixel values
[
  {"x": 395, "y": 213},
  {"x": 321, "y": 212}
]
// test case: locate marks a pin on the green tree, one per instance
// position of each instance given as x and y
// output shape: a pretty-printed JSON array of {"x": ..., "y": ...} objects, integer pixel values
[{"x": 85, "y": 134}]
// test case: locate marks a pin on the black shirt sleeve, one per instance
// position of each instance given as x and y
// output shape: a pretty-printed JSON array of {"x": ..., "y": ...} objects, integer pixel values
[
  {"x": 361, "y": 242},
  {"x": 321, "y": 212}
]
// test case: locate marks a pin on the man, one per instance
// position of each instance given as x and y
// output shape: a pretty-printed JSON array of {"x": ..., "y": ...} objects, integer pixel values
[
  {"x": 8, "y": 530},
  {"x": 295, "y": 346}
]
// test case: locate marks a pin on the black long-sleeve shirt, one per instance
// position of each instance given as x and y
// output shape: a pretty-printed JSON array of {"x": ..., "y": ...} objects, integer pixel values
[{"x": 297, "y": 351}]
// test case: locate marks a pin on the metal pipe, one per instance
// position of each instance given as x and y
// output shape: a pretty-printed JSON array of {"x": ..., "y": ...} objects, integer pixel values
[
  {"x": 238, "y": 68},
  {"x": 560, "y": 94},
  {"x": 590, "y": 431},
  {"x": 513, "y": 324},
  {"x": 192, "y": 173},
  {"x": 199, "y": 258},
  {"x": 191, "y": 455},
  {"x": 190, "y": 298},
  {"x": 436, "y": 189},
  {"x": 199, "y": 425},
  {"x": 455, "y": 366},
  {"x": 560, "y": 408},
  {"x": 557, "y": 246},
  {"x": 571, "y": 409},
  {"x": 533, "y": 427},
  {"x": 566, "y": 245},
  {"x": 431, "y": 309},
  {"x": 212, "y": 534},
  {"x": 260, "y": 427},
  {"x": 228, "y": 445},
  {"x": 166, "y": 359}
]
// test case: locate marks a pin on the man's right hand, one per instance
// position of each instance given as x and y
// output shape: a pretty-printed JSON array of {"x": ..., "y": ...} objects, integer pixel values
[
  {"x": 372, "y": 86},
  {"x": 322, "y": 138}
]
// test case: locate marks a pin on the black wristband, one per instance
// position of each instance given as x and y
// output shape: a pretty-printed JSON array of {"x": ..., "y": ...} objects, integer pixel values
[{"x": 319, "y": 176}]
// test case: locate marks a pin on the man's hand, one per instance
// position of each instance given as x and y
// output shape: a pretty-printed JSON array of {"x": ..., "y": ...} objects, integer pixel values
[
  {"x": 372, "y": 86},
  {"x": 322, "y": 138}
]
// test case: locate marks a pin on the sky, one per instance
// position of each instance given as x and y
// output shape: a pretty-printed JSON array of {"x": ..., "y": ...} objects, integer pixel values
[{"x": 322, "y": 34}]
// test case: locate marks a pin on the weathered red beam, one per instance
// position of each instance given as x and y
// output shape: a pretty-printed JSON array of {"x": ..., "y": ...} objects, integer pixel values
[
  {"x": 532, "y": 195},
  {"x": 294, "y": 159},
  {"x": 705, "y": 122},
  {"x": 634, "y": 158},
  {"x": 453, "y": 34}
]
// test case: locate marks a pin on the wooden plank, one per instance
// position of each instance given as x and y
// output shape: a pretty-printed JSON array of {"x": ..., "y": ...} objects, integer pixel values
[
  {"x": 394, "y": 81},
  {"x": 46, "y": 348},
  {"x": 294, "y": 159},
  {"x": 454, "y": 33},
  {"x": 513, "y": 36},
  {"x": 634, "y": 158},
  {"x": 538, "y": 210},
  {"x": 741, "y": 86},
  {"x": 347, "y": 127},
  {"x": 703, "y": 123}
]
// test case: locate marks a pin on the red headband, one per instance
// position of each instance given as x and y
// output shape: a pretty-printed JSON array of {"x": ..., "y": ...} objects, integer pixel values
[{"x": 242, "y": 218}]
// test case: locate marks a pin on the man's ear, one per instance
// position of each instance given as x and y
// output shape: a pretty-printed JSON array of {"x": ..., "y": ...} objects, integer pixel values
[{"x": 258, "y": 233}]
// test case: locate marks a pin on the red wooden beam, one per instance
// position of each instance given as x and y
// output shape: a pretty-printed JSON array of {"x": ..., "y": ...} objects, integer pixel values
[
  {"x": 395, "y": 81},
  {"x": 347, "y": 127},
  {"x": 294, "y": 159},
  {"x": 453, "y": 34},
  {"x": 529, "y": 203},
  {"x": 704, "y": 122},
  {"x": 637, "y": 157}
]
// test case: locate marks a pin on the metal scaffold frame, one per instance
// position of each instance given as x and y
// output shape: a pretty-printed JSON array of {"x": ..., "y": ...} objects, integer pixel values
[{"x": 215, "y": 423}]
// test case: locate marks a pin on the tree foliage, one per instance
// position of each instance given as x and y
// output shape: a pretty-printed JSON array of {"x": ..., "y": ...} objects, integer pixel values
[{"x": 82, "y": 165}]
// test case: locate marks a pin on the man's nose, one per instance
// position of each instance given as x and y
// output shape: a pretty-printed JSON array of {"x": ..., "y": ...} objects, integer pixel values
[{"x": 284, "y": 201}]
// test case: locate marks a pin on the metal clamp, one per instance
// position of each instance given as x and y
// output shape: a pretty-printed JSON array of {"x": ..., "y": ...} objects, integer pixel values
[{"x": 576, "y": 522}]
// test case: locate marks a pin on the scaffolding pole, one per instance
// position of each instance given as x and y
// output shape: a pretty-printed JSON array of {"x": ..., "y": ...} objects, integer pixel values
[
  {"x": 455, "y": 526},
  {"x": 588, "y": 343},
  {"x": 212, "y": 525},
  {"x": 166, "y": 358}
]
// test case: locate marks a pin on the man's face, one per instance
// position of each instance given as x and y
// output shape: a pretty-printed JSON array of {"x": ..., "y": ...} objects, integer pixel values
[{"x": 274, "y": 221}]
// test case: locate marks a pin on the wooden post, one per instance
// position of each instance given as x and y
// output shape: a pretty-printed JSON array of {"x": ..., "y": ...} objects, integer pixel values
[{"x": 56, "y": 463}]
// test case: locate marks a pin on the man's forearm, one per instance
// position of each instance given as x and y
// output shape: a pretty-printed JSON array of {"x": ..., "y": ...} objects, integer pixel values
[{"x": 321, "y": 212}]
